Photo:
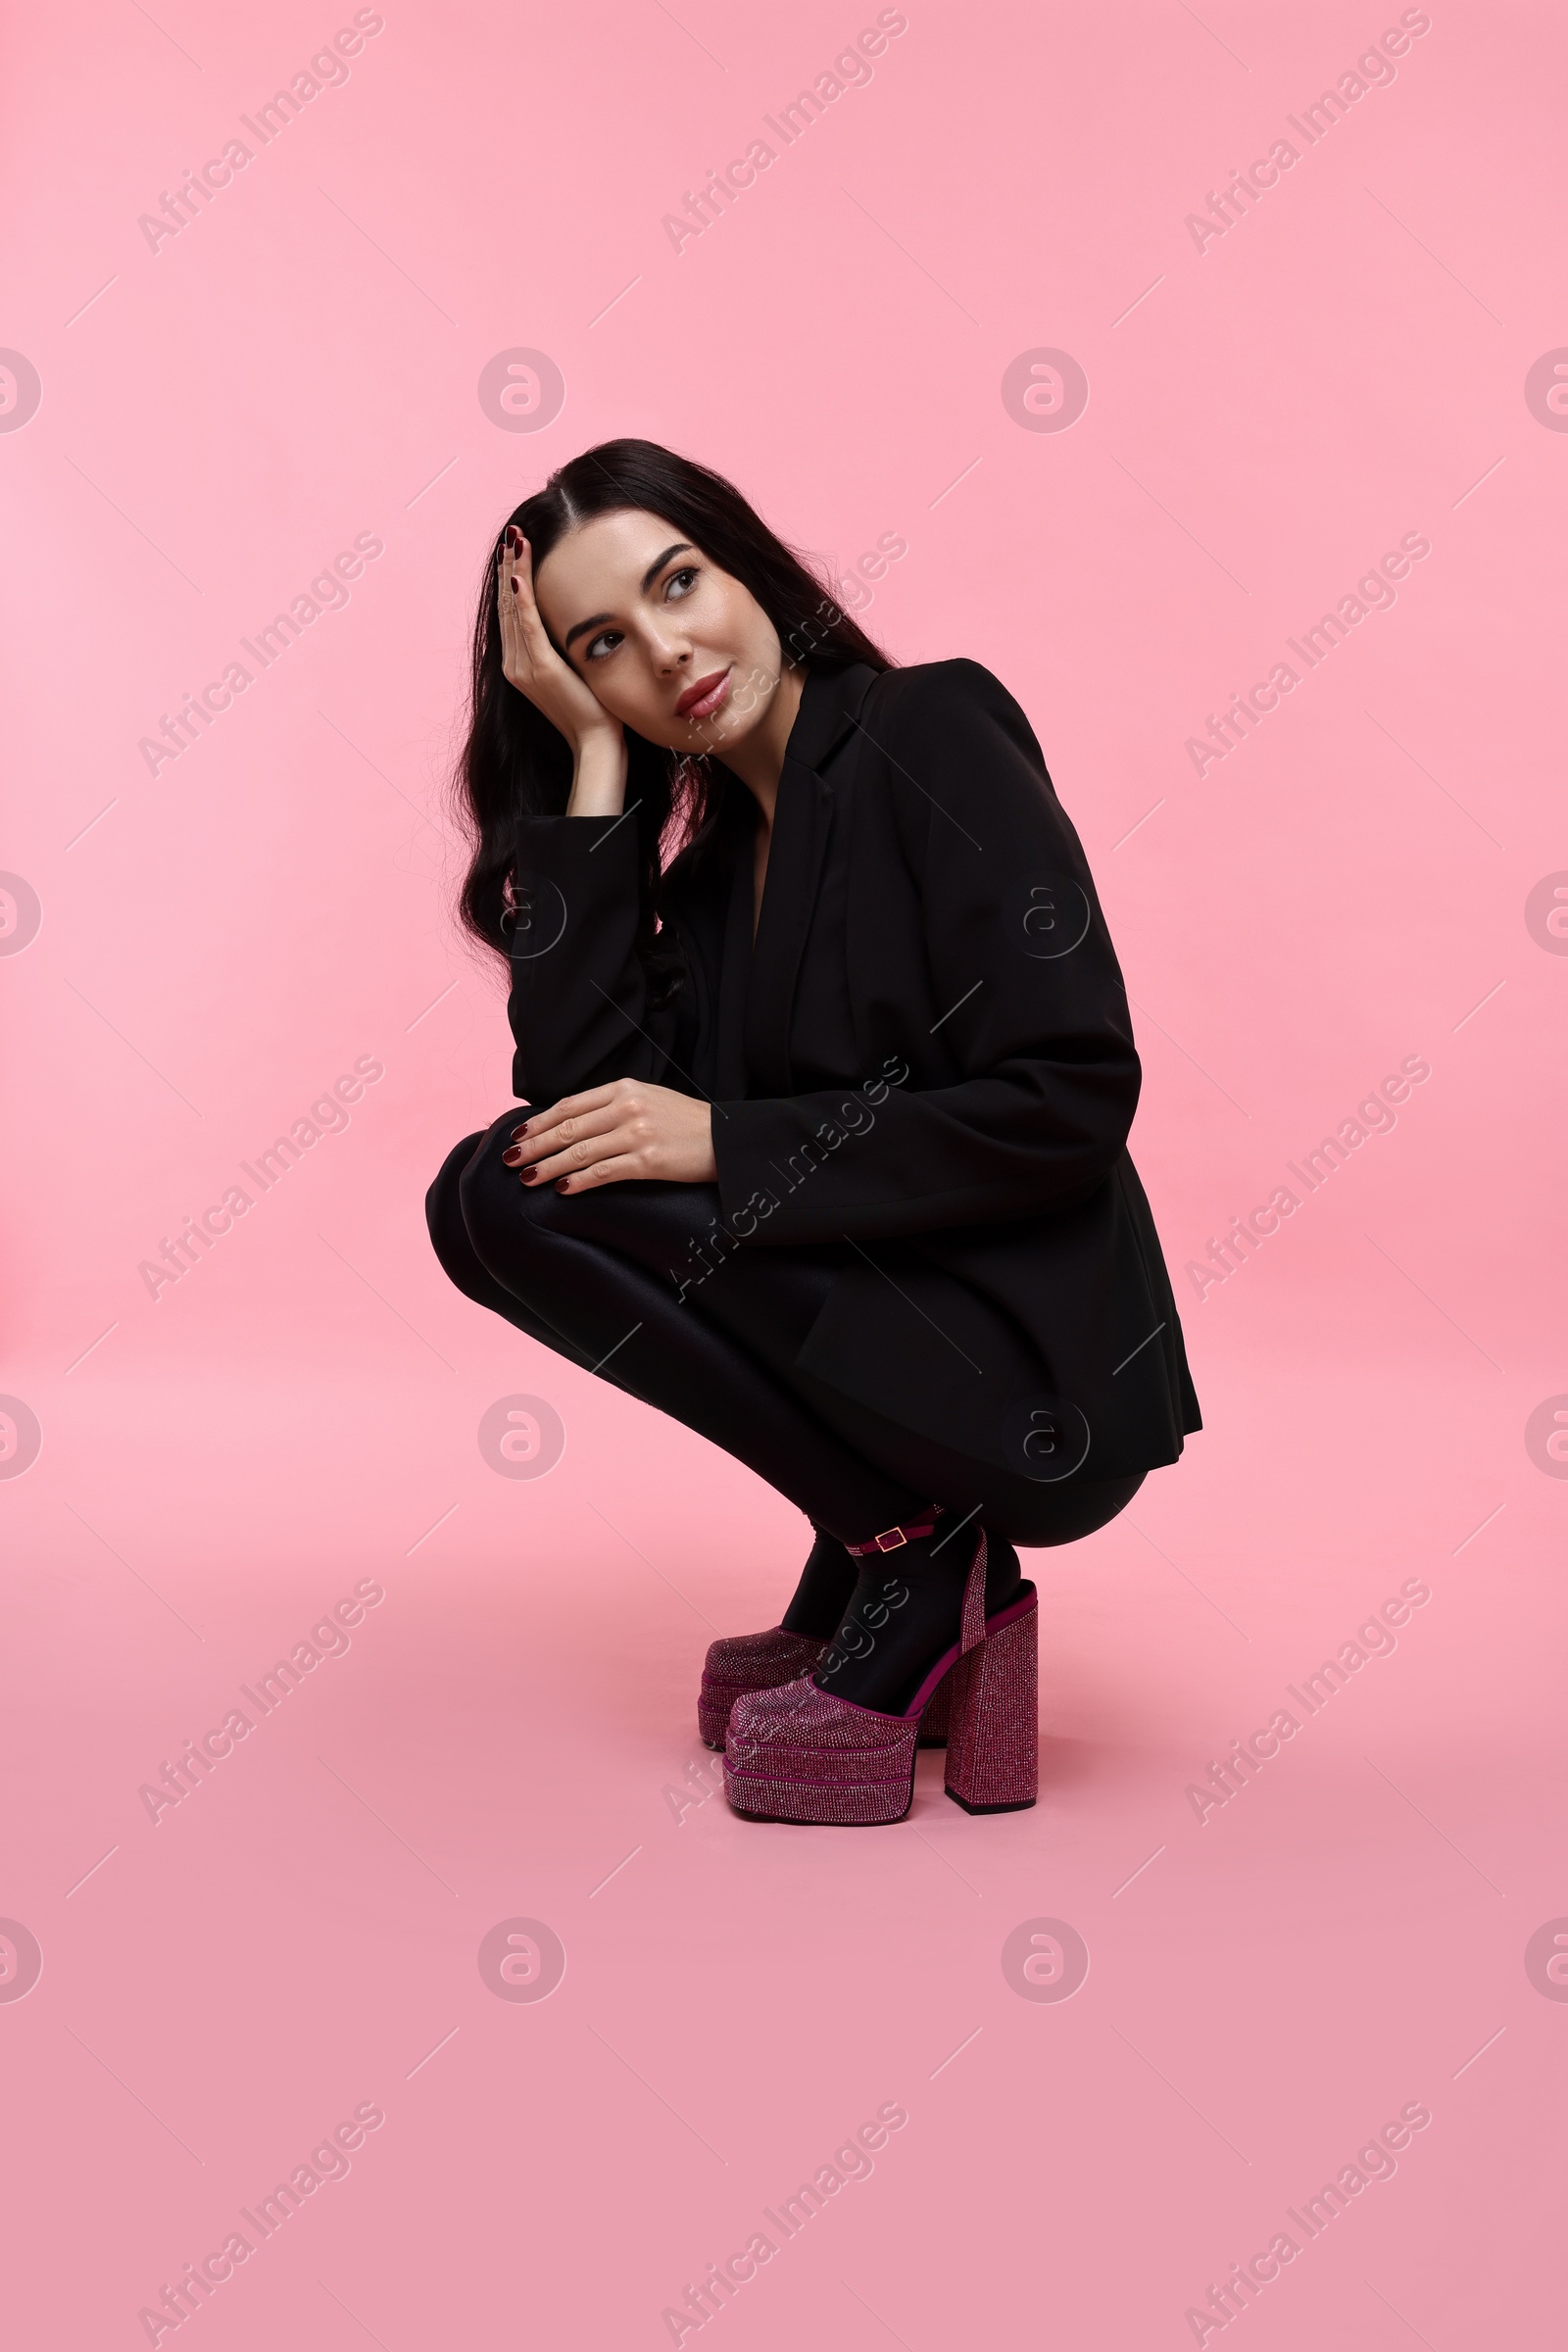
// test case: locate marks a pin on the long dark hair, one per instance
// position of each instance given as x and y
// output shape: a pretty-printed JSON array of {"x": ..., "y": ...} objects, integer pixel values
[{"x": 515, "y": 762}]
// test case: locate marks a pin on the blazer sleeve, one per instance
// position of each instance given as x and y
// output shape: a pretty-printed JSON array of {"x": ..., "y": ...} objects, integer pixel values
[
  {"x": 1028, "y": 998},
  {"x": 578, "y": 1002}
]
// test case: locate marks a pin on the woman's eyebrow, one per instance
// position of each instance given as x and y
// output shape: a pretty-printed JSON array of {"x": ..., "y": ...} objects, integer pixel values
[
  {"x": 682, "y": 547},
  {"x": 596, "y": 621}
]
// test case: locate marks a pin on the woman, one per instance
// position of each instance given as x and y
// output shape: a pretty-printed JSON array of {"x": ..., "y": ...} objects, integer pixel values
[{"x": 829, "y": 1075}]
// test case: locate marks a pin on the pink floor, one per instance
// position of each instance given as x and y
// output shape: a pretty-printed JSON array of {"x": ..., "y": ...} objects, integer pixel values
[
  {"x": 1266, "y": 1988},
  {"x": 1049, "y": 2078}
]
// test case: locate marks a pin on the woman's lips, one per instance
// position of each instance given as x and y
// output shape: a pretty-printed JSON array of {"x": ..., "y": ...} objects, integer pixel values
[{"x": 704, "y": 698}]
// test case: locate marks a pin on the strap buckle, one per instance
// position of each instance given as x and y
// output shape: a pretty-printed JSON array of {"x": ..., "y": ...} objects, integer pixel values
[{"x": 890, "y": 1537}]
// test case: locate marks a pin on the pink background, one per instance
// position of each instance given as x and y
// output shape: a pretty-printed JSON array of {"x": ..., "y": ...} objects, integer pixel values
[{"x": 506, "y": 1737}]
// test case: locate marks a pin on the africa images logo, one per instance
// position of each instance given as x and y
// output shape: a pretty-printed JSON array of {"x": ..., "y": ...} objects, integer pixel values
[
  {"x": 850, "y": 70},
  {"x": 327, "y": 70}
]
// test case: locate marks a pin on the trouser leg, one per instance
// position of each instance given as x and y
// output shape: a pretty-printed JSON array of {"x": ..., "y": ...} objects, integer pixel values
[
  {"x": 494, "y": 1232},
  {"x": 1019, "y": 1510},
  {"x": 531, "y": 1255},
  {"x": 767, "y": 1300},
  {"x": 448, "y": 1236}
]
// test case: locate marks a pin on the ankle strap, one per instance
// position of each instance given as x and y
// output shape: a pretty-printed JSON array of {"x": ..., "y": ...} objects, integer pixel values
[{"x": 892, "y": 1537}]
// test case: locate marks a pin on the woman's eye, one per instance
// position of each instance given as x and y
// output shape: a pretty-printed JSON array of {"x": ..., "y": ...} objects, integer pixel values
[
  {"x": 605, "y": 642},
  {"x": 682, "y": 582}
]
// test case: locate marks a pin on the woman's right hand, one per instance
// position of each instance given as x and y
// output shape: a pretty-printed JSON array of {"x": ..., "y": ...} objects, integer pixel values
[{"x": 531, "y": 664}]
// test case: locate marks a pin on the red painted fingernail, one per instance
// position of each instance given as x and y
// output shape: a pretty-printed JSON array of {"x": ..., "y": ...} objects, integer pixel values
[
  {"x": 531, "y": 1175},
  {"x": 512, "y": 1158},
  {"x": 523, "y": 1130}
]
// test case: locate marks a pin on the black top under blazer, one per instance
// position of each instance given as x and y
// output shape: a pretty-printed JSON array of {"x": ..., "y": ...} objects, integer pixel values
[{"x": 928, "y": 1055}]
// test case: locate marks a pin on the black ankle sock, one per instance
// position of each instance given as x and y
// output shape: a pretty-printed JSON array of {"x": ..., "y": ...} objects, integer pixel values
[
  {"x": 905, "y": 1611},
  {"x": 827, "y": 1582}
]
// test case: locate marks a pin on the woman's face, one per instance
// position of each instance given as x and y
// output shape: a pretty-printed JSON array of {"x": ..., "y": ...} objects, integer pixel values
[{"x": 671, "y": 645}]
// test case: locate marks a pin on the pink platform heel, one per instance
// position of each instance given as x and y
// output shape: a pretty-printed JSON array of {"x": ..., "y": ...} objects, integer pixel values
[
  {"x": 796, "y": 1753},
  {"x": 741, "y": 1663},
  {"x": 745, "y": 1662}
]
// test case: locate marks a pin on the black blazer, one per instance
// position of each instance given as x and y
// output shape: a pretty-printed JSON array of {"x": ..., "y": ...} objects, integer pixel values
[{"x": 929, "y": 1056}]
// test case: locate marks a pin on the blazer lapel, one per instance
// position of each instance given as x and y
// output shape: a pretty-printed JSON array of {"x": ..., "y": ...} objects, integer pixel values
[
  {"x": 801, "y": 821},
  {"x": 737, "y": 847}
]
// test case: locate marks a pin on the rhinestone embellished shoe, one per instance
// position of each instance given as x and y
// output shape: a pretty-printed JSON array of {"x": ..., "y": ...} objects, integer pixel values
[
  {"x": 798, "y": 1754},
  {"x": 744, "y": 1662}
]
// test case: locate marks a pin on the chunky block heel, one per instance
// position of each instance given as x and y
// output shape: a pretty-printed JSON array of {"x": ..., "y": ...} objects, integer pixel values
[
  {"x": 934, "y": 1722},
  {"x": 994, "y": 1731}
]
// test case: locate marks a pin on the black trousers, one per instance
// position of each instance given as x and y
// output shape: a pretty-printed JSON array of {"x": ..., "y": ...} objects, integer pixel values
[{"x": 598, "y": 1276}]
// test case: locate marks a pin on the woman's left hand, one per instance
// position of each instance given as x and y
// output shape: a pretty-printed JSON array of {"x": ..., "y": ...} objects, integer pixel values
[{"x": 613, "y": 1133}]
